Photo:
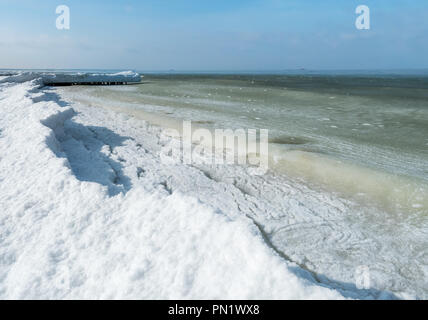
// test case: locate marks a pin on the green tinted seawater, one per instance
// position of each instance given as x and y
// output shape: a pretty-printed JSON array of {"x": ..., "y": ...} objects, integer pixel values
[{"x": 360, "y": 135}]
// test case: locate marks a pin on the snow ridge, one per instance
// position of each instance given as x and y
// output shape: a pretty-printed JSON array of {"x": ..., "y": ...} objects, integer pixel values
[{"x": 74, "y": 223}]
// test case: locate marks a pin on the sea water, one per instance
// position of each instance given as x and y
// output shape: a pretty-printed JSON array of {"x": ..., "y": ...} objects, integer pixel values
[{"x": 363, "y": 136}]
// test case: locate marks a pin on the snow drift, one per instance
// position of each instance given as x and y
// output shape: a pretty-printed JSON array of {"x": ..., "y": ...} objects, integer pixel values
[{"x": 64, "y": 235}]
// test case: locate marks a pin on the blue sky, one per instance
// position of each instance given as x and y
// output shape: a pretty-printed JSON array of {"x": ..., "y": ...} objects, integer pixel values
[{"x": 215, "y": 35}]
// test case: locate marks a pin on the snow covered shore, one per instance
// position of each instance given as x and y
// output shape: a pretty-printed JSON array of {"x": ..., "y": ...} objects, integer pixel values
[
  {"x": 88, "y": 211},
  {"x": 76, "y": 78}
]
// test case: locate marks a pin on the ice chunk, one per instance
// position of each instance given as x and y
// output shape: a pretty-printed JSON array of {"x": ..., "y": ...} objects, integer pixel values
[{"x": 73, "y": 78}]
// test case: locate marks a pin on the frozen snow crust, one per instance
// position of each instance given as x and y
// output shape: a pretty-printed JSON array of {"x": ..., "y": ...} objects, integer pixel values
[{"x": 85, "y": 213}]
